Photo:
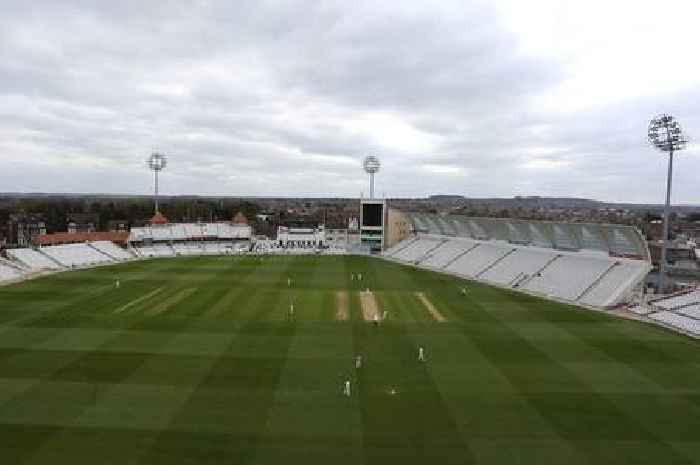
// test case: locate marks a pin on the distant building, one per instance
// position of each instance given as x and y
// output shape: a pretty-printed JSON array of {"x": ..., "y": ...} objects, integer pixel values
[
  {"x": 239, "y": 218},
  {"x": 21, "y": 227},
  {"x": 82, "y": 222},
  {"x": 336, "y": 237},
  {"x": 301, "y": 237},
  {"x": 117, "y": 225}
]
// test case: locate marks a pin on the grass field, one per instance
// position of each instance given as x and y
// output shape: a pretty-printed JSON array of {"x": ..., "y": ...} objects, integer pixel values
[{"x": 196, "y": 361}]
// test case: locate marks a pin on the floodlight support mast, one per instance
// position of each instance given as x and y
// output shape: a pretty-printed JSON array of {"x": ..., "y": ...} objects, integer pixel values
[
  {"x": 155, "y": 173},
  {"x": 666, "y": 135},
  {"x": 667, "y": 214},
  {"x": 371, "y": 186}
]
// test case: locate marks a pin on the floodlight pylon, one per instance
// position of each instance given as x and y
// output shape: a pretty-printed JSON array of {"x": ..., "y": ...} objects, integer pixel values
[
  {"x": 666, "y": 135},
  {"x": 156, "y": 163}
]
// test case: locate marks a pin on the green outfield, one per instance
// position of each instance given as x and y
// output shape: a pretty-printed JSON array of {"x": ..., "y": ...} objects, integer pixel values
[{"x": 199, "y": 361}]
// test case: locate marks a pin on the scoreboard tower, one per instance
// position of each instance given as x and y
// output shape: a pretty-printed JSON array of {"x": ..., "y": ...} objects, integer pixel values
[{"x": 373, "y": 215}]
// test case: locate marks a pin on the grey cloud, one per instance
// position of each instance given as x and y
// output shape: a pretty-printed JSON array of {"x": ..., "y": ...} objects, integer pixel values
[{"x": 284, "y": 98}]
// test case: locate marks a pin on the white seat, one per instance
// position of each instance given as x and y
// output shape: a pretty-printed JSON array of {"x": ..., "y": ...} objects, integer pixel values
[
  {"x": 32, "y": 259},
  {"x": 112, "y": 250},
  {"x": 417, "y": 250},
  {"x": 75, "y": 255},
  {"x": 447, "y": 252},
  {"x": 479, "y": 258},
  {"x": 684, "y": 323},
  {"x": 519, "y": 263},
  {"x": 8, "y": 273},
  {"x": 568, "y": 276}
]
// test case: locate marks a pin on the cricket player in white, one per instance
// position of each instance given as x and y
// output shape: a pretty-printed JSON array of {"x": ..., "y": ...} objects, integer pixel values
[
  {"x": 289, "y": 282},
  {"x": 421, "y": 354},
  {"x": 358, "y": 362},
  {"x": 117, "y": 284},
  {"x": 291, "y": 311},
  {"x": 346, "y": 388}
]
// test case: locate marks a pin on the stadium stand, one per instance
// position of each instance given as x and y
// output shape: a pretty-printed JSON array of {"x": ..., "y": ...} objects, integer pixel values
[
  {"x": 187, "y": 248},
  {"x": 680, "y": 311},
  {"x": 518, "y": 265},
  {"x": 678, "y": 301},
  {"x": 156, "y": 250},
  {"x": 32, "y": 259},
  {"x": 639, "y": 309},
  {"x": 622, "y": 276},
  {"x": 70, "y": 255},
  {"x": 190, "y": 231},
  {"x": 9, "y": 273},
  {"x": 390, "y": 252},
  {"x": 111, "y": 250},
  {"x": 213, "y": 248},
  {"x": 450, "y": 250},
  {"x": 682, "y": 322},
  {"x": 693, "y": 311},
  {"x": 476, "y": 261},
  {"x": 418, "y": 249},
  {"x": 597, "y": 265},
  {"x": 615, "y": 240},
  {"x": 568, "y": 276}
]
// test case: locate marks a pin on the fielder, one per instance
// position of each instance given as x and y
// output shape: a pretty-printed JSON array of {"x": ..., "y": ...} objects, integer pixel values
[
  {"x": 346, "y": 388},
  {"x": 358, "y": 362},
  {"x": 421, "y": 354},
  {"x": 117, "y": 284}
]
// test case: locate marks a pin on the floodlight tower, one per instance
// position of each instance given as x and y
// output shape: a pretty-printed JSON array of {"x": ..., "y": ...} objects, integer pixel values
[
  {"x": 666, "y": 135},
  {"x": 371, "y": 166},
  {"x": 157, "y": 163}
]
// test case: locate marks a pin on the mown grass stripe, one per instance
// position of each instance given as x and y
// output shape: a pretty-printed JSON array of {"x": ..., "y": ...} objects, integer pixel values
[{"x": 138, "y": 300}]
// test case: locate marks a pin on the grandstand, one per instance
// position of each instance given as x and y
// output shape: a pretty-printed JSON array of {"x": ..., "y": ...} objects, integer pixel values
[
  {"x": 111, "y": 250},
  {"x": 75, "y": 255},
  {"x": 163, "y": 239},
  {"x": 301, "y": 238},
  {"x": 191, "y": 232},
  {"x": 9, "y": 272},
  {"x": 33, "y": 259},
  {"x": 591, "y": 264},
  {"x": 680, "y": 312}
]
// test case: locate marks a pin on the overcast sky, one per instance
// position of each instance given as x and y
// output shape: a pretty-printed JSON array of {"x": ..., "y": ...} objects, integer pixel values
[{"x": 537, "y": 97}]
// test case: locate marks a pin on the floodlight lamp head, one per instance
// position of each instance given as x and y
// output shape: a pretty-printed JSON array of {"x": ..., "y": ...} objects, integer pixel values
[
  {"x": 666, "y": 134},
  {"x": 371, "y": 164},
  {"x": 157, "y": 161}
]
